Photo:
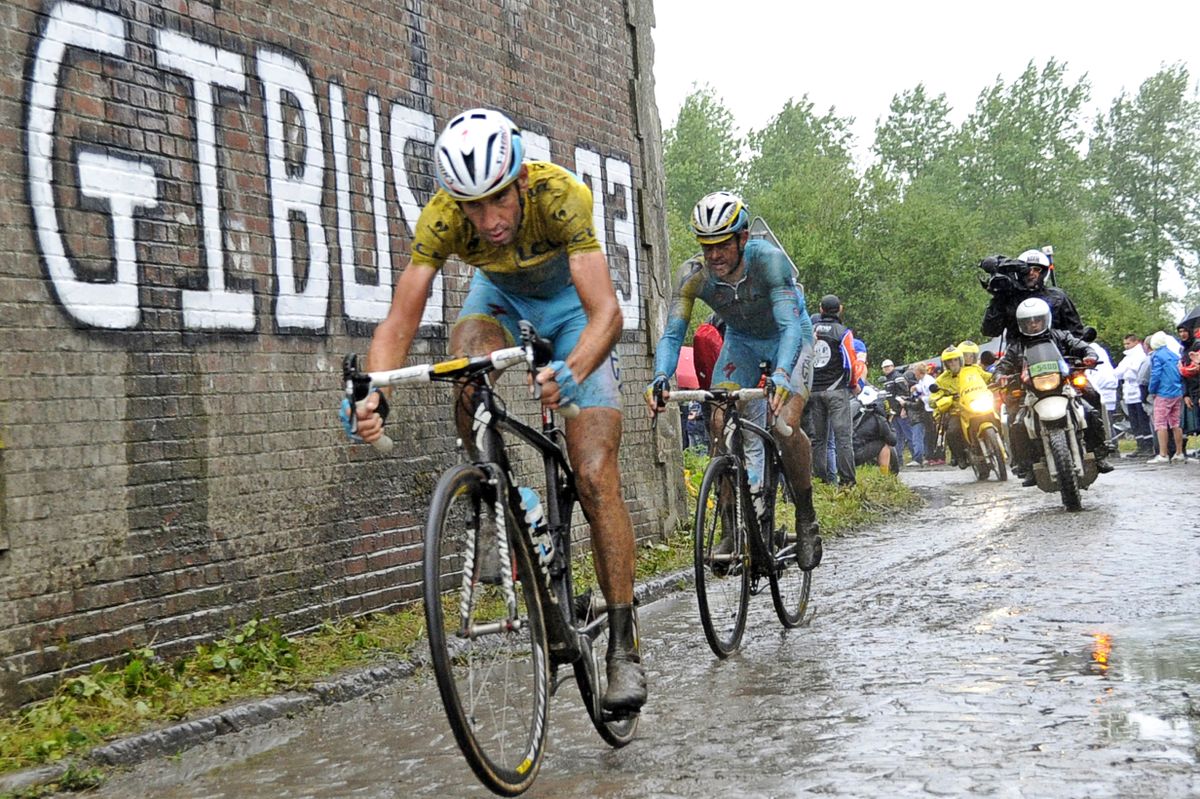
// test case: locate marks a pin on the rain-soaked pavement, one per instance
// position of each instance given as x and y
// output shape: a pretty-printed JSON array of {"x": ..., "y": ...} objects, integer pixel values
[{"x": 990, "y": 644}]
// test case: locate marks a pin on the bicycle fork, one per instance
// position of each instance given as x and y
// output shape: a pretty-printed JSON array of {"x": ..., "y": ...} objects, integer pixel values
[{"x": 473, "y": 577}]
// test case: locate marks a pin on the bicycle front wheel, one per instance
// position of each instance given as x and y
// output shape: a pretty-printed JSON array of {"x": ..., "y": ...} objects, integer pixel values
[
  {"x": 487, "y": 635},
  {"x": 722, "y": 568},
  {"x": 790, "y": 585}
]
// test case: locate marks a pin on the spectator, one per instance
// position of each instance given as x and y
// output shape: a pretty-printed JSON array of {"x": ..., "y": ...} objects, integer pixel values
[
  {"x": 1189, "y": 366},
  {"x": 697, "y": 428},
  {"x": 1166, "y": 386},
  {"x": 1104, "y": 379},
  {"x": 874, "y": 439},
  {"x": 706, "y": 347},
  {"x": 1126, "y": 373},
  {"x": 834, "y": 365},
  {"x": 895, "y": 388},
  {"x": 987, "y": 359},
  {"x": 925, "y": 387},
  {"x": 919, "y": 415}
]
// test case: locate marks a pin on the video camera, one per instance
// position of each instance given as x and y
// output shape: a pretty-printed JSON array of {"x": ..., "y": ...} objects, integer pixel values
[{"x": 1002, "y": 275}]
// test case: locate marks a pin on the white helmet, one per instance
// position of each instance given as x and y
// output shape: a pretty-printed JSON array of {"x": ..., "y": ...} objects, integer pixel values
[
  {"x": 718, "y": 216},
  {"x": 478, "y": 154},
  {"x": 867, "y": 396},
  {"x": 1033, "y": 317},
  {"x": 1035, "y": 258}
]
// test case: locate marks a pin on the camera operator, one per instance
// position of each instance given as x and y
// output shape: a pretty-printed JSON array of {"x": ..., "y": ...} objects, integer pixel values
[{"x": 1011, "y": 281}]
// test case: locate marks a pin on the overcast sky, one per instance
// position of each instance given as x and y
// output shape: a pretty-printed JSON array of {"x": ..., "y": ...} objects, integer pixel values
[{"x": 855, "y": 56}]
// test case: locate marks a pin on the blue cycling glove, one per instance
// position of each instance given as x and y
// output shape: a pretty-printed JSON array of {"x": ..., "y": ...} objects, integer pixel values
[
  {"x": 659, "y": 384},
  {"x": 783, "y": 386},
  {"x": 350, "y": 421},
  {"x": 568, "y": 389}
]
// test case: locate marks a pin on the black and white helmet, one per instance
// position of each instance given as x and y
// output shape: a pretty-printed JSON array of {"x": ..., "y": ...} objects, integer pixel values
[
  {"x": 478, "y": 154},
  {"x": 718, "y": 216},
  {"x": 1033, "y": 317}
]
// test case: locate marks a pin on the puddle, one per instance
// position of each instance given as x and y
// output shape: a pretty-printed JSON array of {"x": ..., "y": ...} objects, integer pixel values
[{"x": 1157, "y": 650}]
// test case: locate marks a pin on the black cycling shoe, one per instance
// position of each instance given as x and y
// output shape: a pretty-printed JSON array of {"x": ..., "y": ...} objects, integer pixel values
[
  {"x": 626, "y": 692},
  {"x": 1103, "y": 466},
  {"x": 809, "y": 549},
  {"x": 1030, "y": 480}
]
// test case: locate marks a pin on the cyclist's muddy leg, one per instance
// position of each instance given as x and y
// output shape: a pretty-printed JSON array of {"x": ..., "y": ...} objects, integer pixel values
[
  {"x": 472, "y": 337},
  {"x": 797, "y": 467},
  {"x": 797, "y": 459},
  {"x": 593, "y": 439}
]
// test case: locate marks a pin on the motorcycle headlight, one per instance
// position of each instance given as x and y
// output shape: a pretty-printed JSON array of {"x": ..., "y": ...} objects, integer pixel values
[
  {"x": 1047, "y": 382},
  {"x": 981, "y": 404}
]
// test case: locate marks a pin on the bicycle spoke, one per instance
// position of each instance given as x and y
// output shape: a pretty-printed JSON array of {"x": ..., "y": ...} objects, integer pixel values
[
  {"x": 722, "y": 581},
  {"x": 491, "y": 662},
  {"x": 790, "y": 586}
]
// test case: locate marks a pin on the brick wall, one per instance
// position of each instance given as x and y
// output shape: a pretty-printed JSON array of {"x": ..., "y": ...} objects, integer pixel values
[{"x": 203, "y": 205}]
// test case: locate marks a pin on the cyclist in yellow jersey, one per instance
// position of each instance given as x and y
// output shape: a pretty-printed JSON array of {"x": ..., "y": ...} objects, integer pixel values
[{"x": 527, "y": 230}]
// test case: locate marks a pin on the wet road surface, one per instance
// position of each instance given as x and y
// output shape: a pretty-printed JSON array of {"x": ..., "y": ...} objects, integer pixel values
[{"x": 990, "y": 644}]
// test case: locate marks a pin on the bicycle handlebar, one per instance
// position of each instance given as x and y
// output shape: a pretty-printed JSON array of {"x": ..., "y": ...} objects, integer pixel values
[
  {"x": 720, "y": 394},
  {"x": 534, "y": 351}
]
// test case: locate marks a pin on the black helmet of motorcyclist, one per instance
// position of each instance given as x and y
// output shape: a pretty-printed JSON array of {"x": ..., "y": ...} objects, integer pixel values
[
  {"x": 1033, "y": 317},
  {"x": 1033, "y": 273}
]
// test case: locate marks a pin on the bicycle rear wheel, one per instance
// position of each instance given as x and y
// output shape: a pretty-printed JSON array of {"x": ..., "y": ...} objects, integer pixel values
[
  {"x": 722, "y": 568},
  {"x": 592, "y": 675},
  {"x": 487, "y": 635},
  {"x": 790, "y": 585}
]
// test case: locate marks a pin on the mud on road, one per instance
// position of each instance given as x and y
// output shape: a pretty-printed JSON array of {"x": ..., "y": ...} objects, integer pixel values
[{"x": 990, "y": 644}]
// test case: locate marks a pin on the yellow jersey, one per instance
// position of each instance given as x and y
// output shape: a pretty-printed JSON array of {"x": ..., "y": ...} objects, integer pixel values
[{"x": 556, "y": 223}]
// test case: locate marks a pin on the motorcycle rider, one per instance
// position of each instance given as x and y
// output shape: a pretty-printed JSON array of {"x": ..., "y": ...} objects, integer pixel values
[
  {"x": 1033, "y": 319},
  {"x": 970, "y": 352},
  {"x": 947, "y": 382},
  {"x": 1011, "y": 282}
]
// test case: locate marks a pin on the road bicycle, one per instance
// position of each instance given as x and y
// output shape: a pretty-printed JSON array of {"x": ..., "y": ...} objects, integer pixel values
[
  {"x": 500, "y": 606},
  {"x": 738, "y": 544}
]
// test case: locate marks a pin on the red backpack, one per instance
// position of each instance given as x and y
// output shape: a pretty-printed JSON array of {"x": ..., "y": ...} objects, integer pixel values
[{"x": 706, "y": 346}]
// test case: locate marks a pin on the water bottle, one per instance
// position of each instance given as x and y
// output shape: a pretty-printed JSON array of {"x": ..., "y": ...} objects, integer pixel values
[
  {"x": 757, "y": 500},
  {"x": 539, "y": 531}
]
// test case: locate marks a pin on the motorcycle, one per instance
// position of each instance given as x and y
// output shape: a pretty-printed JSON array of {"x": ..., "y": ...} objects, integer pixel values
[
  {"x": 1055, "y": 418},
  {"x": 976, "y": 412}
]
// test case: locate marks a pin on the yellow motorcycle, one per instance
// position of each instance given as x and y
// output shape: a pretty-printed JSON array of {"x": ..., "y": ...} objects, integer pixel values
[{"x": 975, "y": 407}]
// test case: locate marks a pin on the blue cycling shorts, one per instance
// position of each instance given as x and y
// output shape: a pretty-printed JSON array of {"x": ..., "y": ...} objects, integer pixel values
[{"x": 559, "y": 318}]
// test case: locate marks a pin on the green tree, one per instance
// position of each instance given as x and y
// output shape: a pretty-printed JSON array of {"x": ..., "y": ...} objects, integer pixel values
[
  {"x": 1145, "y": 164},
  {"x": 916, "y": 133},
  {"x": 801, "y": 179},
  {"x": 1020, "y": 162},
  {"x": 701, "y": 154},
  {"x": 701, "y": 151}
]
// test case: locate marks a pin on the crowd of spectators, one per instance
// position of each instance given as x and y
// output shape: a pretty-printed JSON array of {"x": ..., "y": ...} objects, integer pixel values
[{"x": 1151, "y": 394}]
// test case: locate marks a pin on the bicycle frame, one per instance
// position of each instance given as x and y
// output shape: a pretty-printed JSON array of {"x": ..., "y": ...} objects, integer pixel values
[
  {"x": 556, "y": 583},
  {"x": 734, "y": 429},
  {"x": 490, "y": 421}
]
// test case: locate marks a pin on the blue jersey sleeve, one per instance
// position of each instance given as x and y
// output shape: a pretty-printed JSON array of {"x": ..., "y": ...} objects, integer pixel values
[
  {"x": 787, "y": 306},
  {"x": 679, "y": 313}
]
